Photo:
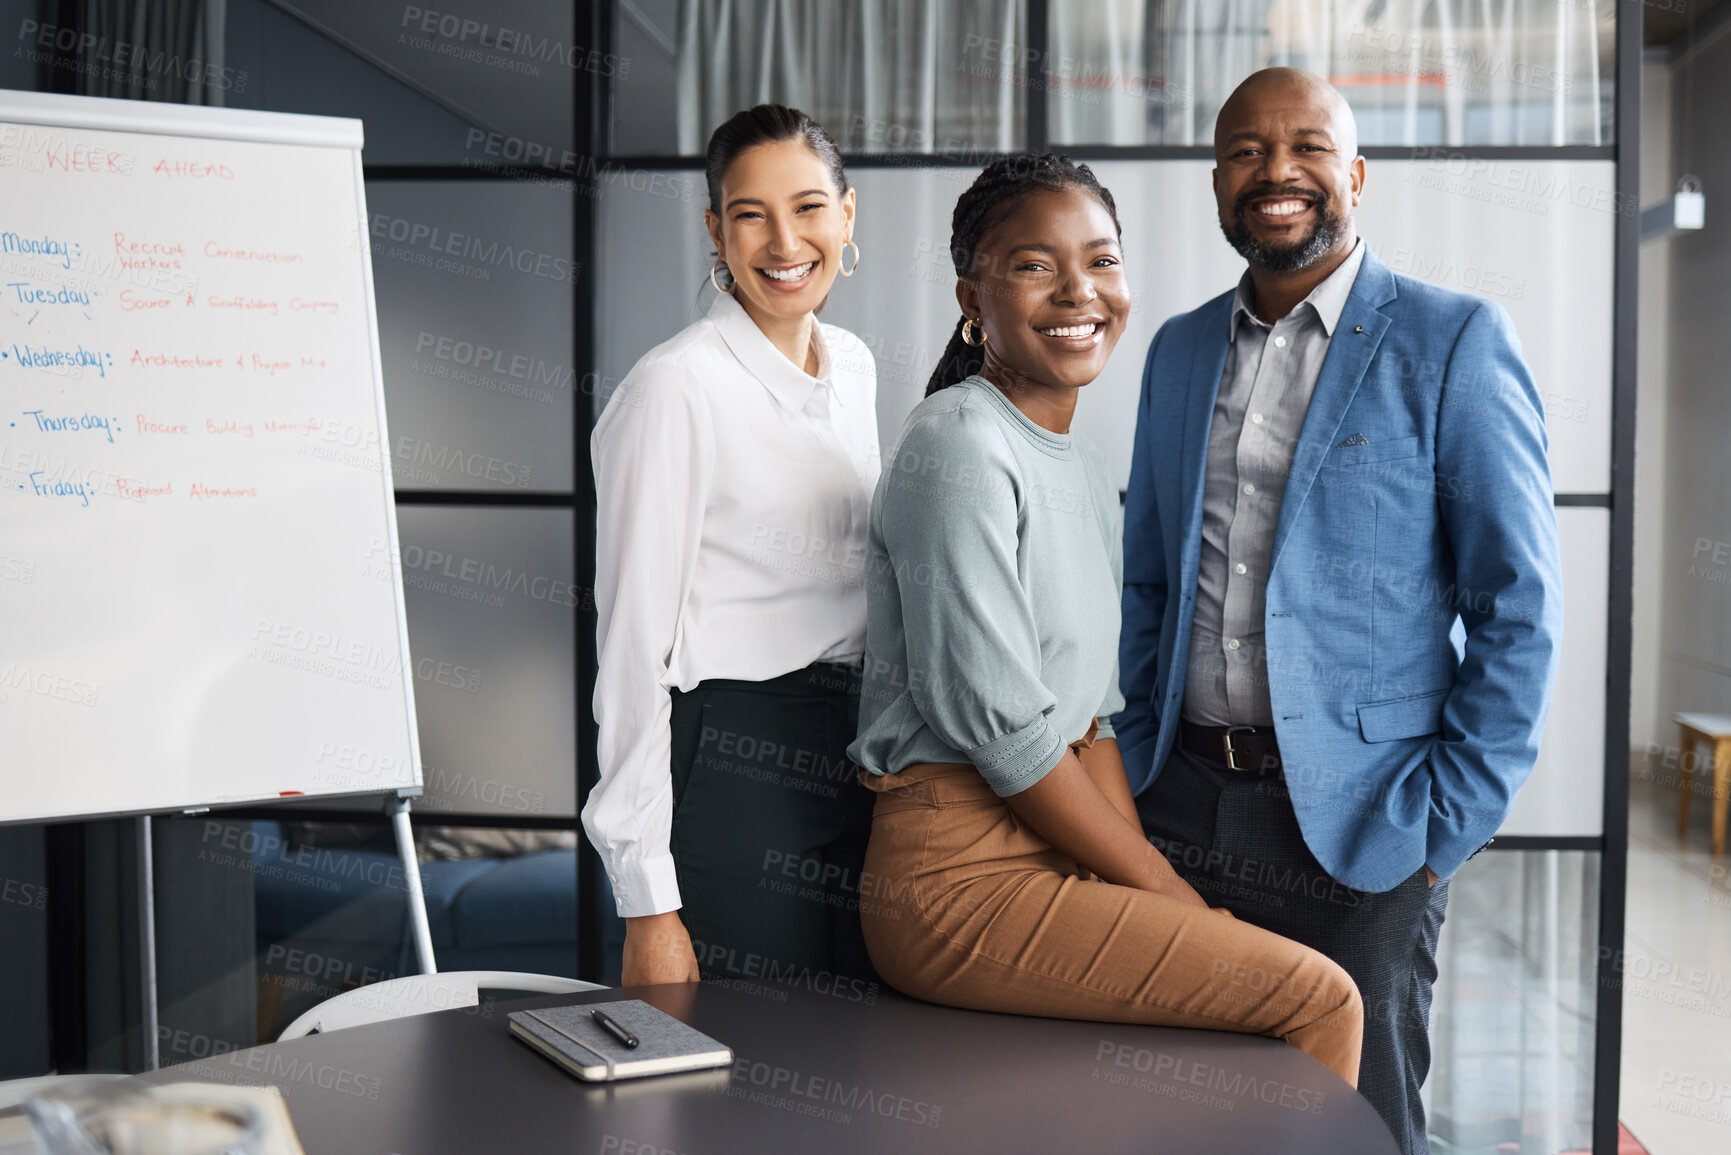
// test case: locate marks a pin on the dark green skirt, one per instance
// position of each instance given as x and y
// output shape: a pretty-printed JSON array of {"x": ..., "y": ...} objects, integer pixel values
[{"x": 770, "y": 827}]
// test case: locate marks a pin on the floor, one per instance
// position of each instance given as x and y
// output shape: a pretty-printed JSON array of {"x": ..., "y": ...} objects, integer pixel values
[{"x": 1676, "y": 1078}]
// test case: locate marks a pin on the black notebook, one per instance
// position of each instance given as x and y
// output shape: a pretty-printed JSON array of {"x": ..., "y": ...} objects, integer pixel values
[{"x": 571, "y": 1037}]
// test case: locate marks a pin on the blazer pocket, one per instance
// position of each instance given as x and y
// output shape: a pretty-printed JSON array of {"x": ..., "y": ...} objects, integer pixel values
[
  {"x": 1342, "y": 456},
  {"x": 1402, "y": 718}
]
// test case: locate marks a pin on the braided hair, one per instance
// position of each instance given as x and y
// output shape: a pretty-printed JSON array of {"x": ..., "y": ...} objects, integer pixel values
[{"x": 994, "y": 194}]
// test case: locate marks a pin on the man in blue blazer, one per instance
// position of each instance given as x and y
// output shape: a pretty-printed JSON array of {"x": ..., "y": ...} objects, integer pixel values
[{"x": 1342, "y": 591}]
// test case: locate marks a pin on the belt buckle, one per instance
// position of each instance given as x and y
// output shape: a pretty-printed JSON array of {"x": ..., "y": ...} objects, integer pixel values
[{"x": 1226, "y": 742}]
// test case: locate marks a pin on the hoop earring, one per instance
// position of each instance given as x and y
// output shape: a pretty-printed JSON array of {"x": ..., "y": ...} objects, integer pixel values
[
  {"x": 721, "y": 264},
  {"x": 845, "y": 246},
  {"x": 969, "y": 324}
]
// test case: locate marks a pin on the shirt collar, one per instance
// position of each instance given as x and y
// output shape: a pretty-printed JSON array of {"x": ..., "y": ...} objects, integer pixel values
[
  {"x": 1327, "y": 300},
  {"x": 790, "y": 385}
]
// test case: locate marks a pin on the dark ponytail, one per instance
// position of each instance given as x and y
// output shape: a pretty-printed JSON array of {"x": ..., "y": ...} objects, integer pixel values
[
  {"x": 767, "y": 124},
  {"x": 992, "y": 196}
]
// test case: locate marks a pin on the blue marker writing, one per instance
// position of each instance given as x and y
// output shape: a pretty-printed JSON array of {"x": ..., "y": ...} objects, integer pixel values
[
  {"x": 43, "y": 246},
  {"x": 69, "y": 424},
  {"x": 59, "y": 488},
  {"x": 45, "y": 358},
  {"x": 29, "y": 294}
]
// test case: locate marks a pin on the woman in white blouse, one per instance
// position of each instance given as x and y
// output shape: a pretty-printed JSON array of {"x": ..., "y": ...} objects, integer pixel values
[{"x": 734, "y": 468}]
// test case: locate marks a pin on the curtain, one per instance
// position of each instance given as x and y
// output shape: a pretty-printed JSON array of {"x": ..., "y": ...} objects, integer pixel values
[
  {"x": 1416, "y": 72},
  {"x": 919, "y": 76},
  {"x": 168, "y": 50},
  {"x": 952, "y": 77}
]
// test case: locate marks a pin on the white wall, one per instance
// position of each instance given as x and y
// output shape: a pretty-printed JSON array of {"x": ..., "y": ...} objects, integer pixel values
[{"x": 1695, "y": 590}]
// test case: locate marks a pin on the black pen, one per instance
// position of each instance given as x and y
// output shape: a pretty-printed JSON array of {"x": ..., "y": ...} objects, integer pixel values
[{"x": 614, "y": 1029}]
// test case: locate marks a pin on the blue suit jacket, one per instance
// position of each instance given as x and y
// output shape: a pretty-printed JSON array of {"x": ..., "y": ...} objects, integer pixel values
[{"x": 1414, "y": 602}]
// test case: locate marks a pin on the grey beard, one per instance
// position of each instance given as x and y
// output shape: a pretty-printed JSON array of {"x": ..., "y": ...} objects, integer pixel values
[{"x": 1290, "y": 258}]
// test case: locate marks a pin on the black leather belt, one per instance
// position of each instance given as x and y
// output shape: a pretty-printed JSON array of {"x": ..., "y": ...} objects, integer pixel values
[{"x": 1243, "y": 748}]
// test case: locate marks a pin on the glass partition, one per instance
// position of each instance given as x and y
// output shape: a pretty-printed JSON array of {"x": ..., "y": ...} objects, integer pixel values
[
  {"x": 894, "y": 76},
  {"x": 1513, "y": 1021},
  {"x": 1452, "y": 72},
  {"x": 943, "y": 77}
]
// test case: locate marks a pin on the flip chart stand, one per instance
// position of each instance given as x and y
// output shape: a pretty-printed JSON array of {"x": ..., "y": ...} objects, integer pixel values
[
  {"x": 147, "y": 942},
  {"x": 420, "y": 929},
  {"x": 420, "y": 932}
]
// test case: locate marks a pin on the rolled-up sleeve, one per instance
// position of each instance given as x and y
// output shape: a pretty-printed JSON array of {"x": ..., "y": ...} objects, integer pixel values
[{"x": 950, "y": 522}]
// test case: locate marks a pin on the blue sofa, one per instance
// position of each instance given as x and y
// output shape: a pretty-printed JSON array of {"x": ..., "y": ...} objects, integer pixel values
[{"x": 330, "y": 919}]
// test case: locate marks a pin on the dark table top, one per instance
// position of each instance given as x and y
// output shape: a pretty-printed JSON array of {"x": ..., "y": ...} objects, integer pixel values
[{"x": 816, "y": 1071}]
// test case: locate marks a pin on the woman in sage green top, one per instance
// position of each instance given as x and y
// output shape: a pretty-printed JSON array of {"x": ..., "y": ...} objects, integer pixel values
[
  {"x": 1007, "y": 869},
  {"x": 1012, "y": 626}
]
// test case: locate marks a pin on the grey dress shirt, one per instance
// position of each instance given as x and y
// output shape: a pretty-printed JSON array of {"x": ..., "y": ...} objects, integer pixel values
[{"x": 1271, "y": 372}]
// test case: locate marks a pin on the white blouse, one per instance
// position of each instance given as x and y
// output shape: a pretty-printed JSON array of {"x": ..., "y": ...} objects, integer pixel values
[{"x": 733, "y": 494}]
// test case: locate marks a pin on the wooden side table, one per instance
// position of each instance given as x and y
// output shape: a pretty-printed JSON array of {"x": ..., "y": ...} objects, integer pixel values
[{"x": 1715, "y": 731}]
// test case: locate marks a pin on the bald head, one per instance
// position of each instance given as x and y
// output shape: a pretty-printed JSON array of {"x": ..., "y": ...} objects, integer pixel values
[
  {"x": 1287, "y": 174},
  {"x": 1292, "y": 96}
]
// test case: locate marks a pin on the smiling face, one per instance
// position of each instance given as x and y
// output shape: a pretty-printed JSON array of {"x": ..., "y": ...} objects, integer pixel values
[
  {"x": 1049, "y": 289},
  {"x": 1288, "y": 173},
  {"x": 781, "y": 229}
]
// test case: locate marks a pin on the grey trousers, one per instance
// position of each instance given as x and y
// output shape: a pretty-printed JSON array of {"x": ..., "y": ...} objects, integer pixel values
[{"x": 1235, "y": 838}]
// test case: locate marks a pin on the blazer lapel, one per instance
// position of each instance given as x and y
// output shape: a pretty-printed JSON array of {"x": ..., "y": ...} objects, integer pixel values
[
  {"x": 1207, "y": 363},
  {"x": 1349, "y": 355}
]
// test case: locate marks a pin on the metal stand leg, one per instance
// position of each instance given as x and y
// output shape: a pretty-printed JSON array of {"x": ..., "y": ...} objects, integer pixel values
[
  {"x": 147, "y": 941},
  {"x": 419, "y": 929}
]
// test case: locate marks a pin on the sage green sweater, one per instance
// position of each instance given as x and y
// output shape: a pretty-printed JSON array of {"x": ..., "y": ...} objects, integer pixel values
[{"x": 992, "y": 593}]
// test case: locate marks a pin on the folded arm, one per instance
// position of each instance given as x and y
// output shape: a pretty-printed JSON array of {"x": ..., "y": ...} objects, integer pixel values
[
  {"x": 1105, "y": 768},
  {"x": 1068, "y": 808}
]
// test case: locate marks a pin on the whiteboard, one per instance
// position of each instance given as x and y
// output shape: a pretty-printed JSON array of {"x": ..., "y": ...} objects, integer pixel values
[{"x": 200, "y": 603}]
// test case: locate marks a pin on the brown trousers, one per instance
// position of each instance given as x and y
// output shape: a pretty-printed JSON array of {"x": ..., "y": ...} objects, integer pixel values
[{"x": 963, "y": 904}]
